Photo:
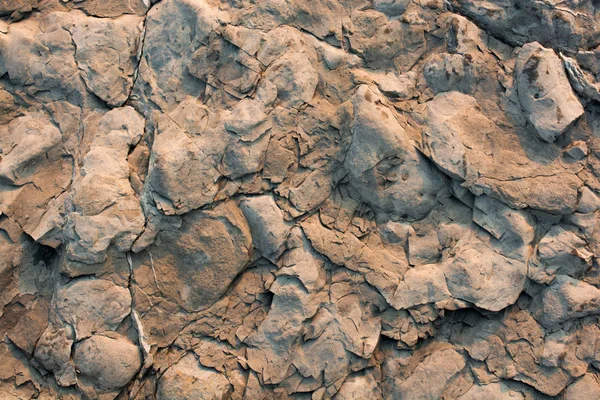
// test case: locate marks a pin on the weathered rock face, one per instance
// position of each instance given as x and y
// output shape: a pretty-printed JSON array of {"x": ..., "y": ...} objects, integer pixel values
[
  {"x": 108, "y": 362},
  {"x": 188, "y": 380},
  {"x": 384, "y": 166},
  {"x": 340, "y": 199},
  {"x": 545, "y": 92},
  {"x": 196, "y": 264}
]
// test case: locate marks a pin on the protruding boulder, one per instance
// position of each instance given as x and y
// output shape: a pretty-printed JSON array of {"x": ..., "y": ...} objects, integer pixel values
[
  {"x": 244, "y": 157},
  {"x": 106, "y": 54},
  {"x": 248, "y": 118},
  {"x": 485, "y": 278},
  {"x": 53, "y": 351},
  {"x": 106, "y": 210},
  {"x": 34, "y": 171},
  {"x": 589, "y": 202},
  {"x": 566, "y": 298},
  {"x": 421, "y": 285},
  {"x": 545, "y": 92},
  {"x": 587, "y": 387},
  {"x": 107, "y": 361},
  {"x": 266, "y": 220},
  {"x": 496, "y": 160},
  {"x": 562, "y": 251},
  {"x": 174, "y": 30},
  {"x": 295, "y": 79},
  {"x": 33, "y": 137},
  {"x": 182, "y": 177},
  {"x": 515, "y": 229}
]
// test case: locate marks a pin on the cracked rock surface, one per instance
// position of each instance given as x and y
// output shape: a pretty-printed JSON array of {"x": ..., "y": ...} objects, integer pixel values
[{"x": 338, "y": 199}]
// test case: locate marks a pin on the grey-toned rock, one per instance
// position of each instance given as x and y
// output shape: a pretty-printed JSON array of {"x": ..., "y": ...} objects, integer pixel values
[
  {"x": 564, "y": 299},
  {"x": 589, "y": 202},
  {"x": 266, "y": 220},
  {"x": 580, "y": 81},
  {"x": 446, "y": 72},
  {"x": 106, "y": 211},
  {"x": 562, "y": 27},
  {"x": 93, "y": 305},
  {"x": 99, "y": 42},
  {"x": 544, "y": 91}
]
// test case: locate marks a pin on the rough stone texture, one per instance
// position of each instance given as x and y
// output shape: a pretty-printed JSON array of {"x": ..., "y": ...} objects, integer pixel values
[
  {"x": 336, "y": 199},
  {"x": 544, "y": 91},
  {"x": 188, "y": 380},
  {"x": 107, "y": 362}
]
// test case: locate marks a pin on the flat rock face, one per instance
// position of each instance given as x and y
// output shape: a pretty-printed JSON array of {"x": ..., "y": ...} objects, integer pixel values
[
  {"x": 432, "y": 376},
  {"x": 196, "y": 264},
  {"x": 384, "y": 166},
  {"x": 92, "y": 305},
  {"x": 340, "y": 199},
  {"x": 188, "y": 380}
]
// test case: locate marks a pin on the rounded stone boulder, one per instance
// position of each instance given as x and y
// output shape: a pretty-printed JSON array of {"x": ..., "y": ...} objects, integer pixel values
[{"x": 107, "y": 361}]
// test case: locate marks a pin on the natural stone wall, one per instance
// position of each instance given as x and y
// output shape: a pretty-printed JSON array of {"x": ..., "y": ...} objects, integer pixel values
[{"x": 291, "y": 199}]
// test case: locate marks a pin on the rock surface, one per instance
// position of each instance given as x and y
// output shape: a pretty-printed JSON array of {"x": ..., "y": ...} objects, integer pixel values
[
  {"x": 340, "y": 199},
  {"x": 188, "y": 380},
  {"x": 545, "y": 92}
]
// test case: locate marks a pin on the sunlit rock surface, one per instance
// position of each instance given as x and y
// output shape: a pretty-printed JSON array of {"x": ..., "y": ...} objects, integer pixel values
[{"x": 337, "y": 199}]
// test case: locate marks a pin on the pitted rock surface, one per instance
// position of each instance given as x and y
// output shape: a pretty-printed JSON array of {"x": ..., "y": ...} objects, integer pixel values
[{"x": 337, "y": 199}]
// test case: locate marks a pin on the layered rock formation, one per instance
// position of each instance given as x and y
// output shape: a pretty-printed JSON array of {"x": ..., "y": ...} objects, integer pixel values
[{"x": 347, "y": 199}]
